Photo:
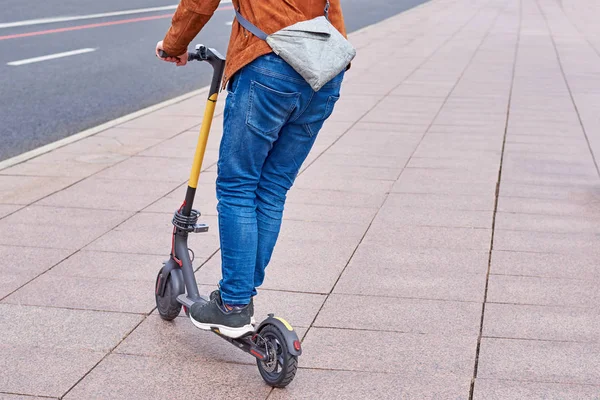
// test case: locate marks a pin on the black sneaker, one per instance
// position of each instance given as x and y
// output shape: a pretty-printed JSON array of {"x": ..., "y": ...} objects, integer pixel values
[
  {"x": 230, "y": 321},
  {"x": 217, "y": 294}
]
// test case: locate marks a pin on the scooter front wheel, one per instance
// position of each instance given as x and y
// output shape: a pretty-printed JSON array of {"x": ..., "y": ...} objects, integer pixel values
[
  {"x": 279, "y": 369},
  {"x": 167, "y": 305}
]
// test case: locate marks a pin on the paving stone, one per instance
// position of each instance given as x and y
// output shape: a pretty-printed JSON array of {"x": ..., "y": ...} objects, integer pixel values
[
  {"x": 569, "y": 266},
  {"x": 102, "y": 265},
  {"x": 457, "y": 173},
  {"x": 572, "y": 193},
  {"x": 426, "y": 184},
  {"x": 388, "y": 127},
  {"x": 4, "y": 396},
  {"x": 169, "y": 123},
  {"x": 334, "y": 129},
  {"x": 323, "y": 384},
  {"x": 323, "y": 169},
  {"x": 398, "y": 218},
  {"x": 122, "y": 376},
  {"x": 531, "y": 360},
  {"x": 353, "y": 105},
  {"x": 406, "y": 259},
  {"x": 511, "y": 175},
  {"x": 299, "y": 309},
  {"x": 145, "y": 137},
  {"x": 492, "y": 389},
  {"x": 114, "y": 140},
  {"x": 395, "y": 147},
  {"x": 412, "y": 273},
  {"x": 61, "y": 228},
  {"x": 108, "y": 194},
  {"x": 429, "y": 237},
  {"x": 455, "y": 163},
  {"x": 432, "y": 201},
  {"x": 352, "y": 88},
  {"x": 547, "y": 223},
  {"x": 565, "y": 164},
  {"x": 413, "y": 285},
  {"x": 326, "y": 233},
  {"x": 65, "y": 165},
  {"x": 356, "y": 185},
  {"x": 191, "y": 107},
  {"x": 459, "y": 153},
  {"x": 179, "y": 340},
  {"x": 6, "y": 209},
  {"x": 333, "y": 198},
  {"x": 402, "y": 315},
  {"x": 28, "y": 189},
  {"x": 546, "y": 242},
  {"x": 427, "y": 355},
  {"x": 12, "y": 282},
  {"x": 334, "y": 213},
  {"x": 184, "y": 146},
  {"x": 149, "y": 169},
  {"x": 543, "y": 291},
  {"x": 548, "y": 207},
  {"x": 442, "y": 142},
  {"x": 56, "y": 329},
  {"x": 55, "y": 371},
  {"x": 371, "y": 161},
  {"x": 86, "y": 293},
  {"x": 29, "y": 261},
  {"x": 21, "y": 264},
  {"x": 541, "y": 322},
  {"x": 452, "y": 129},
  {"x": 151, "y": 233},
  {"x": 422, "y": 89},
  {"x": 574, "y": 148}
]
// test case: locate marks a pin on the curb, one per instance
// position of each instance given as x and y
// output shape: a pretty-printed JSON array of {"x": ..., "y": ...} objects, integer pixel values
[{"x": 97, "y": 129}]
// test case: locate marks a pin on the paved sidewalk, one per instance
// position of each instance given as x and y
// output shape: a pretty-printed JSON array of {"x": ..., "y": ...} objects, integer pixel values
[{"x": 441, "y": 242}]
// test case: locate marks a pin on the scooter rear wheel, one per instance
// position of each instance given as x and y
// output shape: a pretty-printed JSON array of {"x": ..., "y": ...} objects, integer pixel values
[
  {"x": 167, "y": 305},
  {"x": 280, "y": 368}
]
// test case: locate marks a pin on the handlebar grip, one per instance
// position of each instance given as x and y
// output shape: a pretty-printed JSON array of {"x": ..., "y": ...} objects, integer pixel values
[{"x": 163, "y": 54}]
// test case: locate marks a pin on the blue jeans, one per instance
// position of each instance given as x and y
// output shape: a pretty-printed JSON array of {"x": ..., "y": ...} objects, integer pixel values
[{"x": 271, "y": 120}]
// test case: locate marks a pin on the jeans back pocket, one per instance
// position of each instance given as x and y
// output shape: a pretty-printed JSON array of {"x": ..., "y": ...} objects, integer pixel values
[{"x": 269, "y": 109}]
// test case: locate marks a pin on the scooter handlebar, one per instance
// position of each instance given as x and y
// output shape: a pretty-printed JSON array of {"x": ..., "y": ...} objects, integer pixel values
[
  {"x": 163, "y": 54},
  {"x": 213, "y": 57}
]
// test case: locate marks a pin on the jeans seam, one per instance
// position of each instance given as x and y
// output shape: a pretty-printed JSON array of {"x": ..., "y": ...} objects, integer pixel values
[
  {"x": 272, "y": 74},
  {"x": 312, "y": 94}
]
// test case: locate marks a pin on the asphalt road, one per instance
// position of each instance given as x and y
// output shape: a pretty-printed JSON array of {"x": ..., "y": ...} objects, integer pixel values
[{"x": 45, "y": 101}]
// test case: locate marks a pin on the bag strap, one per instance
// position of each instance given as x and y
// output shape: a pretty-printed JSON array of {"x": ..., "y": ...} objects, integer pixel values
[{"x": 250, "y": 27}]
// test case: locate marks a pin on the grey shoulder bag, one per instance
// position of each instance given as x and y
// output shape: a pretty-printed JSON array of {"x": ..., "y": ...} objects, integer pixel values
[{"x": 314, "y": 48}]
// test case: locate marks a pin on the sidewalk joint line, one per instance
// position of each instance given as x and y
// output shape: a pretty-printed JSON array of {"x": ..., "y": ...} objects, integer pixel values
[
  {"x": 534, "y": 381},
  {"x": 499, "y": 179},
  {"x": 29, "y": 395},
  {"x": 562, "y": 71},
  {"x": 427, "y": 59},
  {"x": 542, "y": 340}
]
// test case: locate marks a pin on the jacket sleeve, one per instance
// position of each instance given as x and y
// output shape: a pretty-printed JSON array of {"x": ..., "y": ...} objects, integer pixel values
[{"x": 189, "y": 18}]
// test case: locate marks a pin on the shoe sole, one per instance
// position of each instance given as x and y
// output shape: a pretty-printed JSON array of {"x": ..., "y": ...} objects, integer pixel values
[{"x": 228, "y": 331}]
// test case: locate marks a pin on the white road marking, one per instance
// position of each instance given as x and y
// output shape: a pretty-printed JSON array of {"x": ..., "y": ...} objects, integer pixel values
[
  {"x": 50, "y": 57},
  {"x": 41, "y": 21}
]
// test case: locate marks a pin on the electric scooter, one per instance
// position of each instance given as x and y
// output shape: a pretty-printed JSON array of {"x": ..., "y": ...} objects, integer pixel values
[{"x": 274, "y": 343}]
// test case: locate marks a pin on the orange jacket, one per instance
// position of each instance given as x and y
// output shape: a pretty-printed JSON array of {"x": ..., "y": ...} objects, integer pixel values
[{"x": 268, "y": 15}]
